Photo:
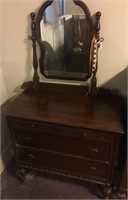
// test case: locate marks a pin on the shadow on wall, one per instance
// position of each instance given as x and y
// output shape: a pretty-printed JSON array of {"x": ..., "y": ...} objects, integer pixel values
[
  {"x": 118, "y": 83},
  {"x": 6, "y": 152}
]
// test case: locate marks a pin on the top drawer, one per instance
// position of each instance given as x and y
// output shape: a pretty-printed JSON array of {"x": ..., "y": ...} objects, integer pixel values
[{"x": 58, "y": 129}]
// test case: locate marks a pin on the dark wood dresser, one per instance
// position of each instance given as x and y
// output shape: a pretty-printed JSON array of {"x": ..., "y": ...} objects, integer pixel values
[{"x": 63, "y": 131}]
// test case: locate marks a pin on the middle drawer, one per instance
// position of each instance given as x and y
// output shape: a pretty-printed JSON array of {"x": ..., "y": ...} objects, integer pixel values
[{"x": 96, "y": 150}]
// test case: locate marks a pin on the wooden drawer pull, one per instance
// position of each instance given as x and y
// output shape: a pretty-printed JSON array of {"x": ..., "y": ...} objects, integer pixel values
[
  {"x": 30, "y": 157},
  {"x": 85, "y": 134},
  {"x": 27, "y": 139},
  {"x": 92, "y": 169},
  {"x": 93, "y": 151}
]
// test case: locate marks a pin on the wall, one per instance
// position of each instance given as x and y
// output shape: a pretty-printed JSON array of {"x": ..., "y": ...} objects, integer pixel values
[
  {"x": 15, "y": 59},
  {"x": 16, "y": 51},
  {"x": 113, "y": 58}
]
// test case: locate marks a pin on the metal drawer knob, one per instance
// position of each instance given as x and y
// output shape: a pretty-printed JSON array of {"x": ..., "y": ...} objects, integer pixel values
[
  {"x": 27, "y": 139},
  {"x": 93, "y": 151},
  {"x": 30, "y": 157},
  {"x": 92, "y": 169},
  {"x": 85, "y": 134},
  {"x": 32, "y": 125}
]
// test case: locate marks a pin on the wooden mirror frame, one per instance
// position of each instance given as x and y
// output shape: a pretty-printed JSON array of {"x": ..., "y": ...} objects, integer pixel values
[{"x": 36, "y": 37}]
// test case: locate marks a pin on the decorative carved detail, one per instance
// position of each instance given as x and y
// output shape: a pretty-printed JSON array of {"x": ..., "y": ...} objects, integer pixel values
[
  {"x": 59, "y": 173},
  {"x": 35, "y": 62},
  {"x": 22, "y": 169}
]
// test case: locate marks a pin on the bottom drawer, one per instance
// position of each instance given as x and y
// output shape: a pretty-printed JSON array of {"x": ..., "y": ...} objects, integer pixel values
[{"x": 62, "y": 163}]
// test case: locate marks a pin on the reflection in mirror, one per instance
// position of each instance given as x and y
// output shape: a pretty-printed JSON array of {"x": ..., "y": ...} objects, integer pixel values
[{"x": 66, "y": 37}]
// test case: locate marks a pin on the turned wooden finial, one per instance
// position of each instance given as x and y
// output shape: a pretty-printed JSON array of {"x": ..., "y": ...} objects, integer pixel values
[
  {"x": 35, "y": 62},
  {"x": 97, "y": 26}
]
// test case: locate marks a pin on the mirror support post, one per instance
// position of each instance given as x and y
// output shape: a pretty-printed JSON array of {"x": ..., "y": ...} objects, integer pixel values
[
  {"x": 93, "y": 82},
  {"x": 35, "y": 62},
  {"x": 97, "y": 26}
]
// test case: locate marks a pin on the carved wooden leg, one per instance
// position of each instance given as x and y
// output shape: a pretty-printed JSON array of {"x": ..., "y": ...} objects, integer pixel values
[
  {"x": 122, "y": 193},
  {"x": 20, "y": 174},
  {"x": 107, "y": 192},
  {"x": 123, "y": 184}
]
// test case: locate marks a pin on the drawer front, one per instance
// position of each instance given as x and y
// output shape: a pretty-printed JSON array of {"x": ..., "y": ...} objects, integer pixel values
[
  {"x": 95, "y": 150},
  {"x": 57, "y": 162},
  {"x": 61, "y": 130}
]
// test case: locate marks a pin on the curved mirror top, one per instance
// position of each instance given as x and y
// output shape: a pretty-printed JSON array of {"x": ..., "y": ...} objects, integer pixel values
[{"x": 66, "y": 36}]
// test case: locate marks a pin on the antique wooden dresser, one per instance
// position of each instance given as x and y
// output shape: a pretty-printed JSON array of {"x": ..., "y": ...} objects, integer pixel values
[
  {"x": 72, "y": 130},
  {"x": 63, "y": 132}
]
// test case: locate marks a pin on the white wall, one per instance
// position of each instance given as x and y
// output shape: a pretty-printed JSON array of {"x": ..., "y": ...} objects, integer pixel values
[{"x": 16, "y": 51}]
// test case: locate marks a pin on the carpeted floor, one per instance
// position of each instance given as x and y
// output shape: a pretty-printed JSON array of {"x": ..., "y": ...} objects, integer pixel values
[{"x": 47, "y": 186}]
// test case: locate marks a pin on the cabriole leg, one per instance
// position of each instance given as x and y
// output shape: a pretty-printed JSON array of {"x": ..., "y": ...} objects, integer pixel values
[
  {"x": 20, "y": 174},
  {"x": 107, "y": 192}
]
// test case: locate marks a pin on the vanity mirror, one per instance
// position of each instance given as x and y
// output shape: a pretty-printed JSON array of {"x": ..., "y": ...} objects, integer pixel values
[{"x": 67, "y": 38}]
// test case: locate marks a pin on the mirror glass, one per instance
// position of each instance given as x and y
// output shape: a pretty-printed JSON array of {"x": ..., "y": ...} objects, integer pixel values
[{"x": 66, "y": 37}]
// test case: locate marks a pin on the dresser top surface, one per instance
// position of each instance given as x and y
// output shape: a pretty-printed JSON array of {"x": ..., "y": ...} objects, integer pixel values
[{"x": 100, "y": 113}]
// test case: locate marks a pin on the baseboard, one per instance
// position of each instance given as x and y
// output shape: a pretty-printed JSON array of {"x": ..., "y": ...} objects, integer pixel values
[{"x": 5, "y": 157}]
